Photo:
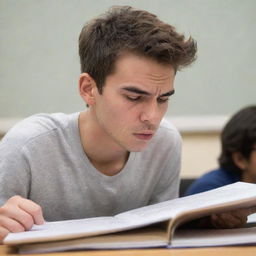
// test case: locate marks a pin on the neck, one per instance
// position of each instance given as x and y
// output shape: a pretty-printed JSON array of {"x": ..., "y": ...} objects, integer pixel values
[{"x": 105, "y": 154}]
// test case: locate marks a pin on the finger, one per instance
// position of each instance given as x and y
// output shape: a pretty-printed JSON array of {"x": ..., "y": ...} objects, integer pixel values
[
  {"x": 10, "y": 224},
  {"x": 29, "y": 207},
  {"x": 228, "y": 220},
  {"x": 217, "y": 222},
  {"x": 236, "y": 221},
  {"x": 18, "y": 215},
  {"x": 234, "y": 217},
  {"x": 33, "y": 209}
]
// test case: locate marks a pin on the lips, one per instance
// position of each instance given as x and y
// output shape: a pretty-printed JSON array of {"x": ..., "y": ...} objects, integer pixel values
[{"x": 144, "y": 136}]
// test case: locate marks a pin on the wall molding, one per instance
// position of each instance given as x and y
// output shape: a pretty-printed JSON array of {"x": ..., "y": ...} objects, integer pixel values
[
  {"x": 199, "y": 124},
  {"x": 6, "y": 123}
]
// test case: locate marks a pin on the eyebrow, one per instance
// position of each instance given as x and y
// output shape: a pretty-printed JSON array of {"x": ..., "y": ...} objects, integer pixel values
[{"x": 139, "y": 91}]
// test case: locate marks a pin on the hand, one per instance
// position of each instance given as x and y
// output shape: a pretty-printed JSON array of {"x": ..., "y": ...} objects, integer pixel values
[
  {"x": 232, "y": 219},
  {"x": 19, "y": 214}
]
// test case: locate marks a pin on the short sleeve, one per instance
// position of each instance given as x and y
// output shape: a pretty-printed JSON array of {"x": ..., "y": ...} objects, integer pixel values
[{"x": 14, "y": 172}]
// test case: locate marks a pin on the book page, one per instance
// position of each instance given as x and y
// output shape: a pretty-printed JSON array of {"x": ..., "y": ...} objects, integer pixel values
[
  {"x": 213, "y": 237},
  {"x": 139, "y": 238},
  {"x": 60, "y": 230},
  {"x": 236, "y": 195}
]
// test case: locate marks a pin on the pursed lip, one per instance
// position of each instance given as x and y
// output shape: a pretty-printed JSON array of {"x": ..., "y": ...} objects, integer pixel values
[{"x": 144, "y": 135}]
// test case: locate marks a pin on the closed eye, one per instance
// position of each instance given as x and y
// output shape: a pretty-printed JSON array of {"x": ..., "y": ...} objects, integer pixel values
[
  {"x": 162, "y": 100},
  {"x": 133, "y": 98}
]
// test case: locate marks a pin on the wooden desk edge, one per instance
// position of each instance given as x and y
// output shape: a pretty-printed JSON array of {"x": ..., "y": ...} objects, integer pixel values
[{"x": 209, "y": 251}]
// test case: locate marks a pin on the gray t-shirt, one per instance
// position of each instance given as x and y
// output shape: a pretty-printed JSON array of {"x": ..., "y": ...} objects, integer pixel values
[{"x": 42, "y": 158}]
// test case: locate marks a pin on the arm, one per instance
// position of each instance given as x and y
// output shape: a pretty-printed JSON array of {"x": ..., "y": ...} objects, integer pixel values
[{"x": 19, "y": 214}]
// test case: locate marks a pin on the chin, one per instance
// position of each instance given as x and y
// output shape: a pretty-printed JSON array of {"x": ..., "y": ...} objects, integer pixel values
[{"x": 137, "y": 148}]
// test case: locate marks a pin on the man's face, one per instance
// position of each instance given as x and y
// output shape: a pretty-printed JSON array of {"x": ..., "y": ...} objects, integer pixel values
[{"x": 134, "y": 100}]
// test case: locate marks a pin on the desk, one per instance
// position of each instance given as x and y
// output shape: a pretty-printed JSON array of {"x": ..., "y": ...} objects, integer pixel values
[{"x": 211, "y": 251}]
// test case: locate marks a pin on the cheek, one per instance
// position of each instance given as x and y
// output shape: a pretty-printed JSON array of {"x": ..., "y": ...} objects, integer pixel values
[
  {"x": 164, "y": 108},
  {"x": 162, "y": 111},
  {"x": 117, "y": 116}
]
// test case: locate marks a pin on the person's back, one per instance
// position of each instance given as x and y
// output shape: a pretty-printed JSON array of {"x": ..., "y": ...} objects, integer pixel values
[
  {"x": 238, "y": 157},
  {"x": 211, "y": 180}
]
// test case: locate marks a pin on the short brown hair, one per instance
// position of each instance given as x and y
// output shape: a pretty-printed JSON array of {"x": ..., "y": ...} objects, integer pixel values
[{"x": 125, "y": 29}]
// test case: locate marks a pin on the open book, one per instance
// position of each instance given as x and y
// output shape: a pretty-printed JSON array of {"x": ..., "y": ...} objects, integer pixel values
[{"x": 149, "y": 226}]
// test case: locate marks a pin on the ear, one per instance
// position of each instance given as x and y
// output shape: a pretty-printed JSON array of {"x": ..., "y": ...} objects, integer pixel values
[
  {"x": 240, "y": 160},
  {"x": 87, "y": 87}
]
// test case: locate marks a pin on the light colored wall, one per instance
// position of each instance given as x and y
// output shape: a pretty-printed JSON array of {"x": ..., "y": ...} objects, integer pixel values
[
  {"x": 199, "y": 154},
  {"x": 39, "y": 65}
]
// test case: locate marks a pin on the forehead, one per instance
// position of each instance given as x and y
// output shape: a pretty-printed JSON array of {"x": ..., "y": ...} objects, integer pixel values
[{"x": 139, "y": 70}]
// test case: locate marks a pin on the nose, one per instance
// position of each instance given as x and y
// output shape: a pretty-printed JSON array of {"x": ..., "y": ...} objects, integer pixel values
[{"x": 150, "y": 113}]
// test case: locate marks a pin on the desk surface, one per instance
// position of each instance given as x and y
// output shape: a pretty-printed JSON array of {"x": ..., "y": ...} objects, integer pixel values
[{"x": 212, "y": 251}]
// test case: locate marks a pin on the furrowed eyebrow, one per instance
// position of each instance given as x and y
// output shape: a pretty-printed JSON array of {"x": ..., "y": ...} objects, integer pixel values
[
  {"x": 139, "y": 91},
  {"x": 168, "y": 93},
  {"x": 135, "y": 90}
]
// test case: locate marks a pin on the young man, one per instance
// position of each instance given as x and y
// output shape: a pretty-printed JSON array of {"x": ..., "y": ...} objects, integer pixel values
[
  {"x": 116, "y": 155},
  {"x": 238, "y": 157}
]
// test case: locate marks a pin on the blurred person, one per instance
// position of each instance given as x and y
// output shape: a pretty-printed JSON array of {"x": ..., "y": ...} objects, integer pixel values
[{"x": 237, "y": 161}]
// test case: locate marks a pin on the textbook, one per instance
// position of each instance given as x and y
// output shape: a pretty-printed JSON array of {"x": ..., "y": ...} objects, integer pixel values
[{"x": 149, "y": 226}]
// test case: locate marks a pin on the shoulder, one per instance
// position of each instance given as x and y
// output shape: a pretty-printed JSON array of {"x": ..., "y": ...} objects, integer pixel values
[
  {"x": 167, "y": 129},
  {"x": 36, "y": 126},
  {"x": 219, "y": 176},
  {"x": 167, "y": 134},
  {"x": 166, "y": 143}
]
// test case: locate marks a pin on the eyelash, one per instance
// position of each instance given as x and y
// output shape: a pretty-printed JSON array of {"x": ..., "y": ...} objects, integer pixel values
[
  {"x": 162, "y": 100},
  {"x": 134, "y": 99}
]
